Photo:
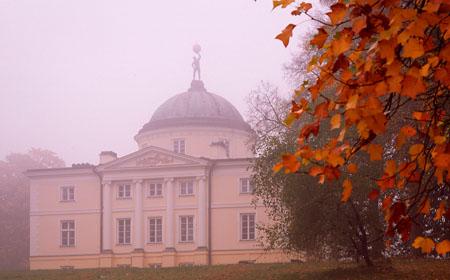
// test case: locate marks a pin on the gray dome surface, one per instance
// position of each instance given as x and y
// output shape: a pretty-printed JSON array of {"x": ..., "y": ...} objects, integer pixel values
[{"x": 196, "y": 107}]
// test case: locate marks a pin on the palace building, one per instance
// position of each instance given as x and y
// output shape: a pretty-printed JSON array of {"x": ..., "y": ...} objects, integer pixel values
[{"x": 183, "y": 198}]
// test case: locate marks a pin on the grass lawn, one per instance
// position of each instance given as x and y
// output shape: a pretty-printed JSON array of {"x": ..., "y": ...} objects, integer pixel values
[{"x": 398, "y": 269}]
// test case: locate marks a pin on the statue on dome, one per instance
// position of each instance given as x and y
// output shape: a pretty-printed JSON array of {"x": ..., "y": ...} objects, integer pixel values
[{"x": 196, "y": 63}]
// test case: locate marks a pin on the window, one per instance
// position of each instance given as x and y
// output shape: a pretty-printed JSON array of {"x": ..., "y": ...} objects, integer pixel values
[
  {"x": 187, "y": 187},
  {"x": 67, "y": 193},
  {"x": 155, "y": 190},
  {"x": 124, "y": 191},
  {"x": 246, "y": 185},
  {"x": 186, "y": 228},
  {"x": 248, "y": 226},
  {"x": 124, "y": 231},
  {"x": 68, "y": 233},
  {"x": 155, "y": 230},
  {"x": 179, "y": 146}
]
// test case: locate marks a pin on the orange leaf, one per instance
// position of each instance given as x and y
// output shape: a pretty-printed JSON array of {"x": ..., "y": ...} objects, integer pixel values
[
  {"x": 443, "y": 247},
  {"x": 290, "y": 163},
  {"x": 442, "y": 161},
  {"x": 415, "y": 149},
  {"x": 440, "y": 211},
  {"x": 342, "y": 43},
  {"x": 390, "y": 168},
  {"x": 283, "y": 3},
  {"x": 373, "y": 195},
  {"x": 425, "y": 244},
  {"x": 352, "y": 168},
  {"x": 335, "y": 121},
  {"x": 346, "y": 193},
  {"x": 408, "y": 131},
  {"x": 375, "y": 151},
  {"x": 319, "y": 39},
  {"x": 425, "y": 207},
  {"x": 352, "y": 101},
  {"x": 335, "y": 159},
  {"x": 337, "y": 13},
  {"x": 286, "y": 34},
  {"x": 305, "y": 6},
  {"x": 315, "y": 170},
  {"x": 277, "y": 167},
  {"x": 413, "y": 48},
  {"x": 359, "y": 24}
]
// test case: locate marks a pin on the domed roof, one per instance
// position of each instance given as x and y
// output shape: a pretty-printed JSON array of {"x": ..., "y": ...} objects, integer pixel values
[{"x": 196, "y": 107}]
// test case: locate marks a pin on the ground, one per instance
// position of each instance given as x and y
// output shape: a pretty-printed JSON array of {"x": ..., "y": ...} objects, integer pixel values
[{"x": 398, "y": 269}]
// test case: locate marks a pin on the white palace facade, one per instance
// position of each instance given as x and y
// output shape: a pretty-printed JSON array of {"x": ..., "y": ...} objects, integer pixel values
[{"x": 183, "y": 198}]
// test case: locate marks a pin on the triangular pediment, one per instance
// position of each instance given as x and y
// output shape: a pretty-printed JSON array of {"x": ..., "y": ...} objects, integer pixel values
[{"x": 151, "y": 157}]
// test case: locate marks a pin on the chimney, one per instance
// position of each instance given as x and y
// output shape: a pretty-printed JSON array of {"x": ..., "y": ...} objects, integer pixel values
[{"x": 107, "y": 156}]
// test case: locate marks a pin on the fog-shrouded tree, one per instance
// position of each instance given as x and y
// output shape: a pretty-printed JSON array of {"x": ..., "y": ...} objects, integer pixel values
[
  {"x": 305, "y": 216},
  {"x": 14, "y": 204}
]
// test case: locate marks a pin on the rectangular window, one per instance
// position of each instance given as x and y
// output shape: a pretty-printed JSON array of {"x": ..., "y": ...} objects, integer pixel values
[
  {"x": 155, "y": 230},
  {"x": 179, "y": 146},
  {"x": 246, "y": 185},
  {"x": 248, "y": 226},
  {"x": 187, "y": 187},
  {"x": 124, "y": 191},
  {"x": 186, "y": 228},
  {"x": 68, "y": 193},
  {"x": 124, "y": 231},
  {"x": 155, "y": 190},
  {"x": 68, "y": 233}
]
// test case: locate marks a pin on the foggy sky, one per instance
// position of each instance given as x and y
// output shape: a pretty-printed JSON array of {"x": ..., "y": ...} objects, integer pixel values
[{"x": 81, "y": 76}]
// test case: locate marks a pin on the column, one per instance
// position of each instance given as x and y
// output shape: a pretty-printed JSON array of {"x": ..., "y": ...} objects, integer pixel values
[
  {"x": 202, "y": 198},
  {"x": 170, "y": 240},
  {"x": 138, "y": 240},
  {"x": 107, "y": 216}
]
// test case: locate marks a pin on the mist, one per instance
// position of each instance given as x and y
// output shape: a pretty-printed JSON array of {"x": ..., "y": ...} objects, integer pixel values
[{"x": 79, "y": 77}]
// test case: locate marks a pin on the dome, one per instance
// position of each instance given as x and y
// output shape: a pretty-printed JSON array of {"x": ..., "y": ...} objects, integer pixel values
[{"x": 196, "y": 107}]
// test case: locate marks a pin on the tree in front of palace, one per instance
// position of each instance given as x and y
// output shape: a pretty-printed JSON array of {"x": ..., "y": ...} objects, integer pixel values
[{"x": 387, "y": 64}]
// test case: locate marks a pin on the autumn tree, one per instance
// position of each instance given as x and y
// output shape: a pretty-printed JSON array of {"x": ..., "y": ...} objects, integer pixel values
[
  {"x": 14, "y": 204},
  {"x": 388, "y": 64},
  {"x": 305, "y": 217}
]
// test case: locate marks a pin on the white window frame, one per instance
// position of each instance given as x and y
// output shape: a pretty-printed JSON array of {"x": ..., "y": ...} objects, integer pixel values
[
  {"x": 179, "y": 145},
  {"x": 67, "y": 194},
  {"x": 158, "y": 233},
  {"x": 249, "y": 230},
  {"x": 188, "y": 238},
  {"x": 124, "y": 232},
  {"x": 67, "y": 231},
  {"x": 186, "y": 188},
  {"x": 246, "y": 186},
  {"x": 123, "y": 194},
  {"x": 157, "y": 189}
]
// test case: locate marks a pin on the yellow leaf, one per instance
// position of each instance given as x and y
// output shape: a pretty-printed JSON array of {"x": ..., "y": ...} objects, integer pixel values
[
  {"x": 286, "y": 34},
  {"x": 443, "y": 247},
  {"x": 337, "y": 13},
  {"x": 347, "y": 190},
  {"x": 283, "y": 3},
  {"x": 375, "y": 151},
  {"x": 425, "y": 244},
  {"x": 335, "y": 121},
  {"x": 413, "y": 48}
]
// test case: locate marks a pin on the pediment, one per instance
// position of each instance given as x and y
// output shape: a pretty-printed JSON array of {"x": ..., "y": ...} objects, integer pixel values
[{"x": 151, "y": 157}]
